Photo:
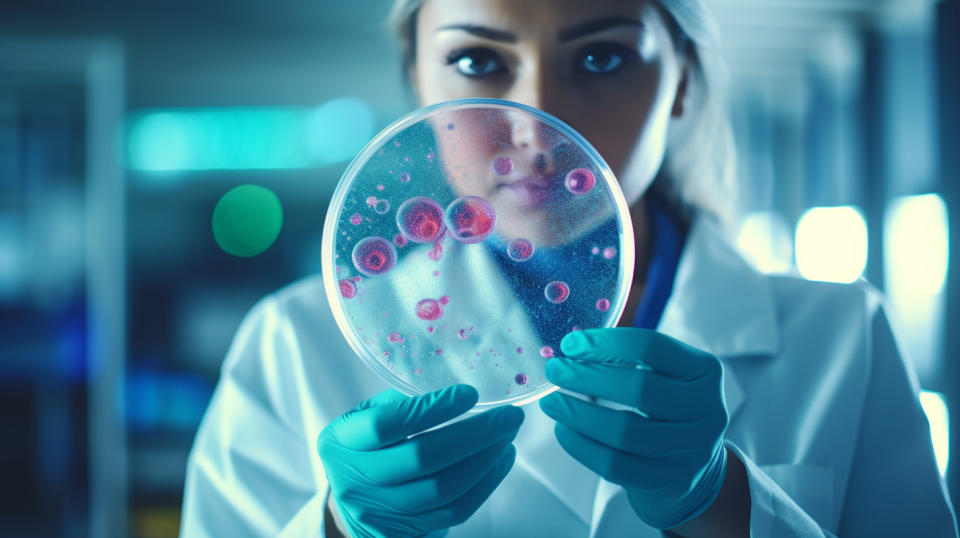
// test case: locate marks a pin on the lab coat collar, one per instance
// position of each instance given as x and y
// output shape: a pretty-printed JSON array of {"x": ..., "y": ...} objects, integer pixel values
[{"x": 720, "y": 303}]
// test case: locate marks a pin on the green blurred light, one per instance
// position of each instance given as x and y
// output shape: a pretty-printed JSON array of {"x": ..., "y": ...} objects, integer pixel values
[
  {"x": 247, "y": 220},
  {"x": 247, "y": 138}
]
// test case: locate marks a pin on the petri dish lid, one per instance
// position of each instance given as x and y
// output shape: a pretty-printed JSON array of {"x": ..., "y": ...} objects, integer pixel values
[{"x": 466, "y": 239}]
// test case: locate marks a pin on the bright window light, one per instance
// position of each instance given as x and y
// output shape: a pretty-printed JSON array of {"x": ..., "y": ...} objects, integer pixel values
[
  {"x": 765, "y": 239},
  {"x": 935, "y": 407},
  {"x": 247, "y": 138},
  {"x": 831, "y": 244},
  {"x": 916, "y": 243}
]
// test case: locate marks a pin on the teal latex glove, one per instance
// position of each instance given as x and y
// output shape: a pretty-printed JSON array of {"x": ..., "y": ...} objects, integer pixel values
[
  {"x": 667, "y": 451},
  {"x": 387, "y": 483}
]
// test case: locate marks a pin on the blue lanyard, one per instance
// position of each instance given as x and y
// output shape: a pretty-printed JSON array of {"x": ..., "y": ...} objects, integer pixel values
[{"x": 662, "y": 269}]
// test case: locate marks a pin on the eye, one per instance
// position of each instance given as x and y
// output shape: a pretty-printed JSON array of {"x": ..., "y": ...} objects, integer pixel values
[
  {"x": 602, "y": 58},
  {"x": 476, "y": 62}
]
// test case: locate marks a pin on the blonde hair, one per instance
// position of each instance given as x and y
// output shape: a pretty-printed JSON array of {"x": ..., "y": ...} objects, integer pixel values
[{"x": 698, "y": 170}]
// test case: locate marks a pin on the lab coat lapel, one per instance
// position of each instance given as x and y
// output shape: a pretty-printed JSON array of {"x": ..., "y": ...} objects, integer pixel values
[{"x": 719, "y": 304}]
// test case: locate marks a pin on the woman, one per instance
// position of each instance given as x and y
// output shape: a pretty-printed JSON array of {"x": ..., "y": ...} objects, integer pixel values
[{"x": 763, "y": 405}]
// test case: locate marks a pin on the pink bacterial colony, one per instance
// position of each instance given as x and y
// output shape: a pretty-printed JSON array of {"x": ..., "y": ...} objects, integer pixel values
[
  {"x": 395, "y": 338},
  {"x": 556, "y": 292},
  {"x": 521, "y": 379},
  {"x": 609, "y": 252},
  {"x": 502, "y": 165},
  {"x": 420, "y": 219},
  {"x": 603, "y": 305},
  {"x": 429, "y": 309},
  {"x": 520, "y": 249},
  {"x": 399, "y": 240},
  {"x": 348, "y": 289},
  {"x": 374, "y": 256},
  {"x": 470, "y": 219},
  {"x": 546, "y": 352},
  {"x": 356, "y": 219},
  {"x": 580, "y": 181}
]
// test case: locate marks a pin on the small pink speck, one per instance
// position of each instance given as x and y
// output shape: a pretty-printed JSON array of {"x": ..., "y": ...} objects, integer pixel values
[
  {"x": 406, "y": 159},
  {"x": 595, "y": 250},
  {"x": 546, "y": 351},
  {"x": 418, "y": 371},
  {"x": 436, "y": 273},
  {"x": 609, "y": 252},
  {"x": 395, "y": 337},
  {"x": 430, "y": 329},
  {"x": 603, "y": 305},
  {"x": 371, "y": 200},
  {"x": 444, "y": 300},
  {"x": 356, "y": 219},
  {"x": 386, "y": 353},
  {"x": 396, "y": 143},
  {"x": 519, "y": 350},
  {"x": 439, "y": 352},
  {"x": 379, "y": 187},
  {"x": 576, "y": 328},
  {"x": 399, "y": 240}
]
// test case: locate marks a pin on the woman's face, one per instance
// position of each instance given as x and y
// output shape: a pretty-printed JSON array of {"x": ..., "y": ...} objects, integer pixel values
[{"x": 607, "y": 68}]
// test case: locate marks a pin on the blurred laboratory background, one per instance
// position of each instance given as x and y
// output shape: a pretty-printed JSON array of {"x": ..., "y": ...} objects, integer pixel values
[{"x": 123, "y": 124}]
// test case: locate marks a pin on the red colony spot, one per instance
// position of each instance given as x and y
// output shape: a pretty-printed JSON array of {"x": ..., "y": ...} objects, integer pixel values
[
  {"x": 420, "y": 219},
  {"x": 470, "y": 219},
  {"x": 374, "y": 256},
  {"x": 556, "y": 292},
  {"x": 348, "y": 289},
  {"x": 580, "y": 181},
  {"x": 444, "y": 300},
  {"x": 429, "y": 310},
  {"x": 520, "y": 249}
]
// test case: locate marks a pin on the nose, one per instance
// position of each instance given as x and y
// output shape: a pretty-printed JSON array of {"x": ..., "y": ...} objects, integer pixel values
[{"x": 528, "y": 132}]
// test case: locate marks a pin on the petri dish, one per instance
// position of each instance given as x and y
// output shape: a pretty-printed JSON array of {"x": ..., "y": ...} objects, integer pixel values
[{"x": 466, "y": 239}]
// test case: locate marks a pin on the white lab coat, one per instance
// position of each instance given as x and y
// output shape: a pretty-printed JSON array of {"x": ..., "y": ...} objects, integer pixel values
[{"x": 823, "y": 413}]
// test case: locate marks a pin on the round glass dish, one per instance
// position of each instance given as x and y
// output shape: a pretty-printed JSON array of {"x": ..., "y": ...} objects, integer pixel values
[{"x": 466, "y": 239}]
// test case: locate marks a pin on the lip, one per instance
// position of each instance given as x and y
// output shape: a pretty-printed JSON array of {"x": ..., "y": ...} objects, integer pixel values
[{"x": 533, "y": 191}]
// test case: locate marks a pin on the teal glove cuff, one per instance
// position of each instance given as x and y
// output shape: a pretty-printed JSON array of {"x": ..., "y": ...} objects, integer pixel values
[{"x": 702, "y": 495}]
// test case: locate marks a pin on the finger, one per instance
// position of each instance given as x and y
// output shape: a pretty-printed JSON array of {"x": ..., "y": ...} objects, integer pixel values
[
  {"x": 438, "y": 489},
  {"x": 630, "y": 345},
  {"x": 385, "y": 397},
  {"x": 609, "y": 463},
  {"x": 392, "y": 421},
  {"x": 462, "y": 508},
  {"x": 432, "y": 451},
  {"x": 624, "y": 430},
  {"x": 661, "y": 397}
]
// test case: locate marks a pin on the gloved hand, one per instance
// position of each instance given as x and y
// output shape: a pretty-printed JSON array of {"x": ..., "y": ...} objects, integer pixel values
[
  {"x": 667, "y": 452},
  {"x": 386, "y": 483}
]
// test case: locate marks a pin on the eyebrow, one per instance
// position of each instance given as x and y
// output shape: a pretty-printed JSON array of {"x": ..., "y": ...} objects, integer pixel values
[{"x": 566, "y": 34}]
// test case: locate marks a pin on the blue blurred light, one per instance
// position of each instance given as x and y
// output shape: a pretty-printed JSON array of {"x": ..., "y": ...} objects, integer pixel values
[
  {"x": 916, "y": 237},
  {"x": 338, "y": 130},
  {"x": 935, "y": 407},
  {"x": 831, "y": 244},
  {"x": 254, "y": 138},
  {"x": 165, "y": 401}
]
